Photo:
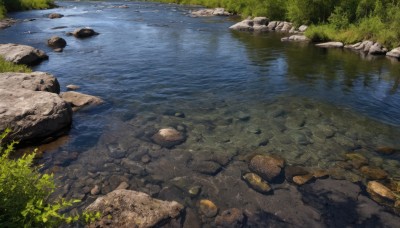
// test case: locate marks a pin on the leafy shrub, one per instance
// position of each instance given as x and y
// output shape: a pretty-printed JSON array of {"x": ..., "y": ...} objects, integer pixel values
[{"x": 24, "y": 191}]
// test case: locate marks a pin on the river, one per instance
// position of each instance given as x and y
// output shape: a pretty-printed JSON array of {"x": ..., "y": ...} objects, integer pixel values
[{"x": 233, "y": 94}]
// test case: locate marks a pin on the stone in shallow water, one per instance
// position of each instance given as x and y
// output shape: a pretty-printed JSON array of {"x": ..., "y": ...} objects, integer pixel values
[
  {"x": 267, "y": 166},
  {"x": 303, "y": 179},
  {"x": 207, "y": 167},
  {"x": 230, "y": 218},
  {"x": 379, "y": 192},
  {"x": 257, "y": 183},
  {"x": 194, "y": 191},
  {"x": 95, "y": 190},
  {"x": 208, "y": 208},
  {"x": 168, "y": 137},
  {"x": 356, "y": 159},
  {"x": 292, "y": 171},
  {"x": 134, "y": 209},
  {"x": 386, "y": 150},
  {"x": 373, "y": 173}
]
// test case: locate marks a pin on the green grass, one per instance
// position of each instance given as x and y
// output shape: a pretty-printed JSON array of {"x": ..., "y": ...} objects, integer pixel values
[
  {"x": 18, "y": 5},
  {"x": 11, "y": 67}
]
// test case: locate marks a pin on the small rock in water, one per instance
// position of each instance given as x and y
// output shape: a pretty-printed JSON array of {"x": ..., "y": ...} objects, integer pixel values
[
  {"x": 123, "y": 185},
  {"x": 208, "y": 208},
  {"x": 95, "y": 190},
  {"x": 374, "y": 173},
  {"x": 145, "y": 159},
  {"x": 300, "y": 180},
  {"x": 356, "y": 159},
  {"x": 55, "y": 15},
  {"x": 379, "y": 192},
  {"x": 320, "y": 173},
  {"x": 207, "y": 167},
  {"x": 267, "y": 166},
  {"x": 168, "y": 137},
  {"x": 56, "y": 42},
  {"x": 231, "y": 218},
  {"x": 180, "y": 114},
  {"x": 194, "y": 191},
  {"x": 257, "y": 183},
  {"x": 386, "y": 150},
  {"x": 73, "y": 87},
  {"x": 84, "y": 33},
  {"x": 292, "y": 171}
]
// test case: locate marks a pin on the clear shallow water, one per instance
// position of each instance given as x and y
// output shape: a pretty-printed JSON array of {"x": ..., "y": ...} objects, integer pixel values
[{"x": 241, "y": 94}]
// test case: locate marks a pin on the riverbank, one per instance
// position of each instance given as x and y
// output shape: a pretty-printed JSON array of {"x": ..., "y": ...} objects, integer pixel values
[
  {"x": 19, "y": 5},
  {"x": 345, "y": 21}
]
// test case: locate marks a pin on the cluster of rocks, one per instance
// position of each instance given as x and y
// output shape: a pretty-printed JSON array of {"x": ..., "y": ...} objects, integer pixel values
[
  {"x": 364, "y": 47},
  {"x": 7, "y": 22},
  {"x": 31, "y": 105},
  {"x": 263, "y": 24},
  {"x": 210, "y": 12}
]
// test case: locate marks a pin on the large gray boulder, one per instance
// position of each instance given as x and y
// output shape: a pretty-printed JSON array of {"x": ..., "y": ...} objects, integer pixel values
[
  {"x": 32, "y": 115},
  {"x": 127, "y": 208},
  {"x": 22, "y": 54},
  {"x": 35, "y": 81}
]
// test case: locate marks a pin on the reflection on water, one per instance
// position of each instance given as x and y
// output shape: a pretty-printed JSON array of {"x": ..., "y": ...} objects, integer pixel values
[{"x": 233, "y": 94}]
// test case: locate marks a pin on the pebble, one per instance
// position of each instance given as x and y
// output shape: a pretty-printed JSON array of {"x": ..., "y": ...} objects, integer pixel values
[
  {"x": 123, "y": 185},
  {"x": 145, "y": 159},
  {"x": 95, "y": 190},
  {"x": 300, "y": 180},
  {"x": 257, "y": 183},
  {"x": 373, "y": 173},
  {"x": 208, "y": 208},
  {"x": 194, "y": 191},
  {"x": 231, "y": 218}
]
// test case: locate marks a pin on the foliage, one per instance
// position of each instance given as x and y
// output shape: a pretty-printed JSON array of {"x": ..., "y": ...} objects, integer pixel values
[
  {"x": 11, "y": 67},
  {"x": 17, "y": 5},
  {"x": 342, "y": 20},
  {"x": 24, "y": 193}
]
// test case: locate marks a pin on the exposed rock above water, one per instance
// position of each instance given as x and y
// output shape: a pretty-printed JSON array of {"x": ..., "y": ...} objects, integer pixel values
[
  {"x": 296, "y": 38},
  {"x": 210, "y": 12},
  {"x": 55, "y": 15},
  {"x": 262, "y": 24},
  {"x": 367, "y": 46},
  {"x": 7, "y": 22},
  {"x": 330, "y": 45},
  {"x": 80, "y": 100},
  {"x": 35, "y": 81},
  {"x": 22, "y": 54},
  {"x": 127, "y": 208},
  {"x": 57, "y": 43},
  {"x": 33, "y": 114},
  {"x": 395, "y": 53},
  {"x": 84, "y": 33}
]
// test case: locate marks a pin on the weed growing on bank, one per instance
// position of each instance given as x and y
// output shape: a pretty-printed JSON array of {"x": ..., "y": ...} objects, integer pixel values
[{"x": 12, "y": 67}]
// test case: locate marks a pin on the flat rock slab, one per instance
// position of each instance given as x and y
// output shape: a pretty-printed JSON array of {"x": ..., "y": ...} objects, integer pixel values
[
  {"x": 35, "y": 81},
  {"x": 80, "y": 100},
  {"x": 33, "y": 114},
  {"x": 22, "y": 54},
  {"x": 127, "y": 208},
  {"x": 330, "y": 45}
]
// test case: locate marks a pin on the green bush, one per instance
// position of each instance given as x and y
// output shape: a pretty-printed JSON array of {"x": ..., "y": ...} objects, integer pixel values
[
  {"x": 17, "y": 5},
  {"x": 24, "y": 191},
  {"x": 11, "y": 67}
]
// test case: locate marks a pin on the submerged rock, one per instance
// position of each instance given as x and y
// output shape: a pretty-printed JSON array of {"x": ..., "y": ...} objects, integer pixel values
[
  {"x": 84, "y": 32},
  {"x": 303, "y": 179},
  {"x": 80, "y": 100},
  {"x": 126, "y": 208},
  {"x": 168, "y": 137},
  {"x": 386, "y": 150},
  {"x": 208, "y": 208},
  {"x": 22, "y": 54},
  {"x": 207, "y": 167},
  {"x": 374, "y": 173},
  {"x": 231, "y": 218},
  {"x": 356, "y": 159},
  {"x": 379, "y": 192},
  {"x": 257, "y": 183},
  {"x": 267, "y": 166}
]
